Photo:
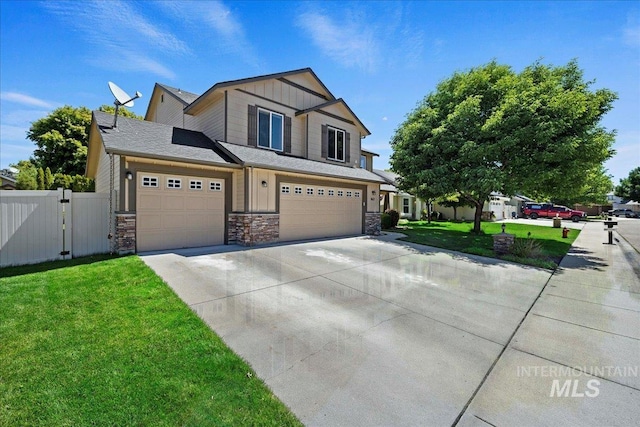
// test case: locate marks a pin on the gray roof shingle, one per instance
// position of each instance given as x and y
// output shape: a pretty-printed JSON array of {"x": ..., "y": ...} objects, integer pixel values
[
  {"x": 250, "y": 156},
  {"x": 185, "y": 97},
  {"x": 157, "y": 141}
]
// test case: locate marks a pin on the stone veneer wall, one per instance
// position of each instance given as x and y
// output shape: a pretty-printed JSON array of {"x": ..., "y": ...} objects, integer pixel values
[
  {"x": 372, "y": 225},
  {"x": 125, "y": 237},
  {"x": 253, "y": 229}
]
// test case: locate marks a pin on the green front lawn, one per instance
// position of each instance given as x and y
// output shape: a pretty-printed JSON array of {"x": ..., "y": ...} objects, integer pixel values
[
  {"x": 458, "y": 237},
  {"x": 103, "y": 341}
]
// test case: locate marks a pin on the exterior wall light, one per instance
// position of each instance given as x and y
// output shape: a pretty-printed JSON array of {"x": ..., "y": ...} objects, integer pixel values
[
  {"x": 264, "y": 183},
  {"x": 129, "y": 175}
]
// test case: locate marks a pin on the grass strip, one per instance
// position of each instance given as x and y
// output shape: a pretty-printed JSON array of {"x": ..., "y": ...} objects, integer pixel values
[
  {"x": 457, "y": 236},
  {"x": 104, "y": 341}
]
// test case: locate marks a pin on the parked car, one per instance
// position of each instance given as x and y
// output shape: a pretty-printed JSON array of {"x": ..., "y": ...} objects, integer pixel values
[
  {"x": 627, "y": 213},
  {"x": 548, "y": 210}
]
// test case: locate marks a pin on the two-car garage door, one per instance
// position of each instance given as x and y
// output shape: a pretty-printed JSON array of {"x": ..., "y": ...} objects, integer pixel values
[
  {"x": 316, "y": 211},
  {"x": 176, "y": 211}
]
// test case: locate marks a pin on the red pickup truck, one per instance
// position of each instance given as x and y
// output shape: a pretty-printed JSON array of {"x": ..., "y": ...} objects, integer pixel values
[{"x": 547, "y": 210}]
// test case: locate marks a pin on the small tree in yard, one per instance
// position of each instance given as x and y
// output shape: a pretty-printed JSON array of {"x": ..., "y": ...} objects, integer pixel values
[{"x": 491, "y": 129}]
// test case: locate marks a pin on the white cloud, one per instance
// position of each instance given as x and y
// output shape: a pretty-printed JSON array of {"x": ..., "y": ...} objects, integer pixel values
[
  {"x": 122, "y": 35},
  {"x": 385, "y": 118},
  {"x": 631, "y": 32},
  {"x": 350, "y": 42},
  {"x": 21, "y": 98},
  {"x": 229, "y": 34},
  {"x": 356, "y": 38}
]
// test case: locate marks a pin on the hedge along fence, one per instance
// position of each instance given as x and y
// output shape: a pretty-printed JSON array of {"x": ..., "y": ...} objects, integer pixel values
[{"x": 37, "y": 226}]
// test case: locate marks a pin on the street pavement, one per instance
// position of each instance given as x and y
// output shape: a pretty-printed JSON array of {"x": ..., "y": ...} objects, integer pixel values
[{"x": 575, "y": 358}]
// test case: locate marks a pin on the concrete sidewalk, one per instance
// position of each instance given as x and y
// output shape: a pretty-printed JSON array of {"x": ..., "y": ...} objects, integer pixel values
[{"x": 575, "y": 359}]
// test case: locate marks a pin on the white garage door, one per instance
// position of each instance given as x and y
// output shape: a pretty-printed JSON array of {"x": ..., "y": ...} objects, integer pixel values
[
  {"x": 313, "y": 211},
  {"x": 174, "y": 211}
]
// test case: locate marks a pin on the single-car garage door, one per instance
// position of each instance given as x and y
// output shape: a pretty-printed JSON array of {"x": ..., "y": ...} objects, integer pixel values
[
  {"x": 316, "y": 211},
  {"x": 174, "y": 211}
]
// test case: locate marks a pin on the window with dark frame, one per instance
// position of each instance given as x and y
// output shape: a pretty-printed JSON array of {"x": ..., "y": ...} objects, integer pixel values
[
  {"x": 336, "y": 139},
  {"x": 405, "y": 205},
  {"x": 270, "y": 130}
]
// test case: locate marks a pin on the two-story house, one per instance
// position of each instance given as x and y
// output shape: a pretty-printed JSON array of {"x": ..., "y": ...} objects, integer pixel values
[{"x": 263, "y": 159}]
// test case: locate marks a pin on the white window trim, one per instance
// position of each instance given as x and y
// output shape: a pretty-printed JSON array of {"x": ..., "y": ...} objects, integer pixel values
[
  {"x": 195, "y": 184},
  {"x": 320, "y": 192},
  {"x": 177, "y": 181},
  {"x": 215, "y": 186},
  {"x": 151, "y": 180},
  {"x": 285, "y": 189},
  {"x": 271, "y": 114},
  {"x": 330, "y": 156},
  {"x": 297, "y": 190}
]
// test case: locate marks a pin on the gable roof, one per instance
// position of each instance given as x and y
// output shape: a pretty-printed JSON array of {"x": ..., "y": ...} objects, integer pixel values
[
  {"x": 157, "y": 141},
  {"x": 269, "y": 159},
  {"x": 218, "y": 86},
  {"x": 338, "y": 101},
  {"x": 181, "y": 95}
]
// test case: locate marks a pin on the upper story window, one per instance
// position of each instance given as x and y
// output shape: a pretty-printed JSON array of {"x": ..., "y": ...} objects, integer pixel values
[
  {"x": 363, "y": 162},
  {"x": 270, "y": 129},
  {"x": 336, "y": 140}
]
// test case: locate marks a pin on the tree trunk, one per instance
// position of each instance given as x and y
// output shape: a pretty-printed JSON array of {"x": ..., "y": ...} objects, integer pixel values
[
  {"x": 428, "y": 211},
  {"x": 455, "y": 213},
  {"x": 477, "y": 217}
]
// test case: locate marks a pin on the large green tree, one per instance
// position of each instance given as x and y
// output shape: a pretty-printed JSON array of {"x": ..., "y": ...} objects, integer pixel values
[
  {"x": 492, "y": 129},
  {"x": 629, "y": 188},
  {"x": 62, "y": 138}
]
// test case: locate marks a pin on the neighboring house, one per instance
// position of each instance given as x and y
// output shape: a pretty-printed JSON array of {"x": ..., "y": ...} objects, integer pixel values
[
  {"x": 264, "y": 159},
  {"x": 7, "y": 181},
  {"x": 619, "y": 203},
  {"x": 408, "y": 205}
]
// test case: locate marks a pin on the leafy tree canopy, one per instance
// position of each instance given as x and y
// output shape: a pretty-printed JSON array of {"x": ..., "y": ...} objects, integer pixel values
[
  {"x": 491, "y": 129},
  {"x": 629, "y": 188},
  {"x": 62, "y": 138}
]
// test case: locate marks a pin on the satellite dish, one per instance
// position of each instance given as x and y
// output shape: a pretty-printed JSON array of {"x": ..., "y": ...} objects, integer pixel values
[{"x": 122, "y": 98}]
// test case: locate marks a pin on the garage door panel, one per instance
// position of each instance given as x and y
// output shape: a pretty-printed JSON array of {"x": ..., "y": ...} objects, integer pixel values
[
  {"x": 317, "y": 215},
  {"x": 178, "y": 218}
]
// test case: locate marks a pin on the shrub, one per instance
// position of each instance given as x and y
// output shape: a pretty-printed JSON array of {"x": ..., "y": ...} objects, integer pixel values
[
  {"x": 395, "y": 217},
  {"x": 526, "y": 248},
  {"x": 385, "y": 221}
]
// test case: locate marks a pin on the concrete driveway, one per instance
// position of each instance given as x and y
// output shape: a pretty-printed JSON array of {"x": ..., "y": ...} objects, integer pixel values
[{"x": 359, "y": 331}]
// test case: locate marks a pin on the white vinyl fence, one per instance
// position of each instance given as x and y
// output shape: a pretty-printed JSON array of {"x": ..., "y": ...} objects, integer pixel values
[{"x": 38, "y": 226}]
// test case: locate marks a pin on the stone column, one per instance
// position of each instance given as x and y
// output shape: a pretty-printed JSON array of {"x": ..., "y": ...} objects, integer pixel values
[
  {"x": 125, "y": 233},
  {"x": 502, "y": 243},
  {"x": 372, "y": 225}
]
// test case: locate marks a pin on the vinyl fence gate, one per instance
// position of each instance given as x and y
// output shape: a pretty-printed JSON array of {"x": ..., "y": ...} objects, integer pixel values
[{"x": 37, "y": 226}]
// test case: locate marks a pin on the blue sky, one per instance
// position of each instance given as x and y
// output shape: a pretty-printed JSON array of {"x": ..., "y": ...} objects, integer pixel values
[{"x": 381, "y": 57}]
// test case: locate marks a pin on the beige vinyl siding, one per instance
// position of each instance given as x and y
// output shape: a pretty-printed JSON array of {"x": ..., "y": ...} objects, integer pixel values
[
  {"x": 284, "y": 93},
  {"x": 103, "y": 173},
  {"x": 237, "y": 198},
  {"x": 211, "y": 120},
  {"x": 263, "y": 199},
  {"x": 316, "y": 120},
  {"x": 373, "y": 198},
  {"x": 237, "y": 120},
  {"x": 169, "y": 112},
  {"x": 309, "y": 82}
]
